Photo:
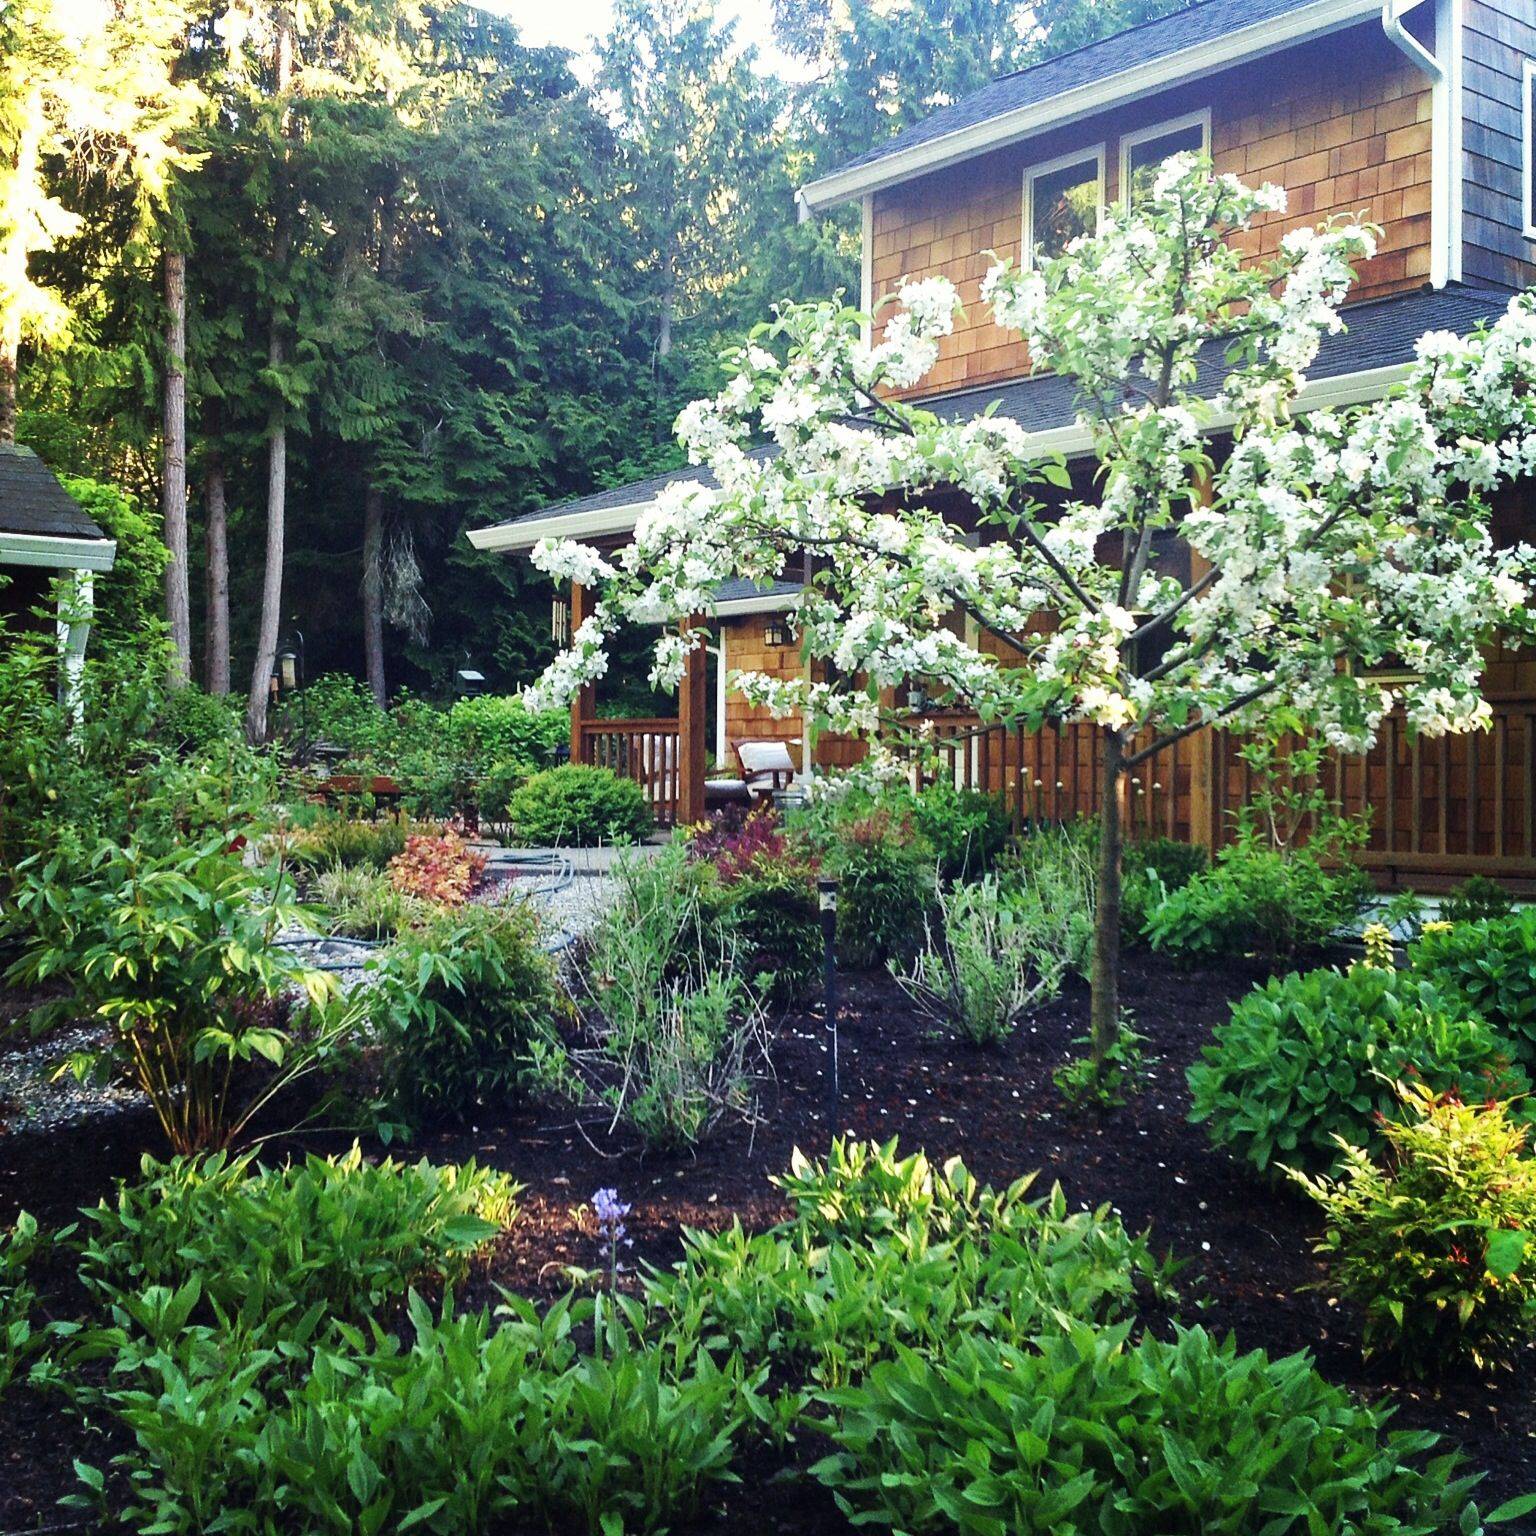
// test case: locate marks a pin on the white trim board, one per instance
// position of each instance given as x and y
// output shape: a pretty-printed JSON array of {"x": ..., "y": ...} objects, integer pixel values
[
  {"x": 1528, "y": 153},
  {"x": 53, "y": 550},
  {"x": 1129, "y": 140},
  {"x": 1143, "y": 79},
  {"x": 590, "y": 524},
  {"x": 1096, "y": 153}
]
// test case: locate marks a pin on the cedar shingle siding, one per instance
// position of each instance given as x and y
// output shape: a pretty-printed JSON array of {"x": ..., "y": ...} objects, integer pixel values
[
  {"x": 1496, "y": 41},
  {"x": 1344, "y": 125}
]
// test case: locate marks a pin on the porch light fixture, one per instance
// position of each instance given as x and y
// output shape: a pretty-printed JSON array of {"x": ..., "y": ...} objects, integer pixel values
[{"x": 776, "y": 634}]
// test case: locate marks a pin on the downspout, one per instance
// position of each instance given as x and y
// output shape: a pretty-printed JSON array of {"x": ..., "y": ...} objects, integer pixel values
[{"x": 1445, "y": 223}]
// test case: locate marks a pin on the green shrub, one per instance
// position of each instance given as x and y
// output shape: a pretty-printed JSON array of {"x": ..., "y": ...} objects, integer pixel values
[
  {"x": 173, "y": 952},
  {"x": 363, "y": 903},
  {"x": 1051, "y": 877},
  {"x": 192, "y": 721},
  {"x": 1476, "y": 900},
  {"x": 1257, "y": 900},
  {"x": 886, "y": 889},
  {"x": 333, "y": 840},
  {"x": 1437, "y": 1243},
  {"x": 497, "y": 785},
  {"x": 23, "y": 1335},
  {"x": 966, "y": 829},
  {"x": 773, "y": 911},
  {"x": 1305, "y": 1059},
  {"x": 1154, "y": 866},
  {"x": 500, "y": 729},
  {"x": 1487, "y": 968},
  {"x": 457, "y": 1005},
  {"x": 265, "y": 1244},
  {"x": 987, "y": 963},
  {"x": 1089, "y": 1433},
  {"x": 575, "y": 806}
]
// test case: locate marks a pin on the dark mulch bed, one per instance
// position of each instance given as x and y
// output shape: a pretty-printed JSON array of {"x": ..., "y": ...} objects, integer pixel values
[{"x": 1247, "y": 1243}]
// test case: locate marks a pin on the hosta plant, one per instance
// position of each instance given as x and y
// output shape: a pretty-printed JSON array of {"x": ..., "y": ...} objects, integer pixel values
[
  {"x": 1436, "y": 1241},
  {"x": 1306, "y": 1059}
]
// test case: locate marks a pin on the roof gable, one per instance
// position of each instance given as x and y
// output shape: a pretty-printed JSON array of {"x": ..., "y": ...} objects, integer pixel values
[
  {"x": 1213, "y": 34},
  {"x": 33, "y": 502}
]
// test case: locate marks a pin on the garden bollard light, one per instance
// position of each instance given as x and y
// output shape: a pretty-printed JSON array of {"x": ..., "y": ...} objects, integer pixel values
[{"x": 826, "y": 893}]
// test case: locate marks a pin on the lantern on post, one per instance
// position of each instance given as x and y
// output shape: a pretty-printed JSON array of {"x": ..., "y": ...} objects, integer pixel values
[
  {"x": 826, "y": 901},
  {"x": 288, "y": 680}
]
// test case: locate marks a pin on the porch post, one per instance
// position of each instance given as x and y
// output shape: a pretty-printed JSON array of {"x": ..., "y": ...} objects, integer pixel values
[
  {"x": 692, "y": 730},
  {"x": 584, "y": 705},
  {"x": 76, "y": 604}
]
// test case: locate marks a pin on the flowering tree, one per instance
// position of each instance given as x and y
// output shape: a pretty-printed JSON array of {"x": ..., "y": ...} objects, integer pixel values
[{"x": 1320, "y": 545}]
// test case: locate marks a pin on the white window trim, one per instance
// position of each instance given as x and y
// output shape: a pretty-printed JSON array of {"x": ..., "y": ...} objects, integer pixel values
[
  {"x": 1129, "y": 141},
  {"x": 1528, "y": 147},
  {"x": 1032, "y": 173}
]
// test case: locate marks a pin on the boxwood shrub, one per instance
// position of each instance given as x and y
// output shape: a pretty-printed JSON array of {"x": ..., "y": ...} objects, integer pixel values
[
  {"x": 1310, "y": 1057},
  {"x": 577, "y": 806}
]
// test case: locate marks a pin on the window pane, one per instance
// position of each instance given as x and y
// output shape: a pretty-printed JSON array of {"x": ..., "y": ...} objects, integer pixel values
[
  {"x": 1146, "y": 157},
  {"x": 1063, "y": 205}
]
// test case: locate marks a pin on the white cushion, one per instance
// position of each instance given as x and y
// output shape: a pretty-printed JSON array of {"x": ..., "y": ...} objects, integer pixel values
[{"x": 766, "y": 757}]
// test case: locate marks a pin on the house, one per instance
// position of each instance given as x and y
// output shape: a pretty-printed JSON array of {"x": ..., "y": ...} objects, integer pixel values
[
  {"x": 45, "y": 535},
  {"x": 1418, "y": 114}
]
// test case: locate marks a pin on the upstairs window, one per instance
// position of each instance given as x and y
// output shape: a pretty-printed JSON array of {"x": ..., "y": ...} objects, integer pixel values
[
  {"x": 1528, "y": 140},
  {"x": 1062, "y": 199},
  {"x": 1143, "y": 152}
]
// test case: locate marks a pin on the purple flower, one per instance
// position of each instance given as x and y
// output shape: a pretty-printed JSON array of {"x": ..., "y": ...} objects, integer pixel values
[{"x": 610, "y": 1212}]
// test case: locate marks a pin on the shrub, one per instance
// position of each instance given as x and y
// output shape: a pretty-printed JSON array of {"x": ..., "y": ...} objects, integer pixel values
[
  {"x": 1052, "y": 877},
  {"x": 458, "y": 1005},
  {"x": 1091, "y": 1433},
  {"x": 1153, "y": 867},
  {"x": 773, "y": 911},
  {"x": 672, "y": 1029},
  {"x": 1305, "y": 1059},
  {"x": 364, "y": 904},
  {"x": 22, "y": 1335},
  {"x": 966, "y": 829},
  {"x": 268, "y": 1244},
  {"x": 1488, "y": 968},
  {"x": 885, "y": 892},
  {"x": 1432, "y": 1243},
  {"x": 345, "y": 842},
  {"x": 501, "y": 729},
  {"x": 493, "y": 794},
  {"x": 989, "y": 964},
  {"x": 1258, "y": 900},
  {"x": 579, "y": 807},
  {"x": 174, "y": 953},
  {"x": 1475, "y": 900},
  {"x": 441, "y": 869},
  {"x": 192, "y": 721}
]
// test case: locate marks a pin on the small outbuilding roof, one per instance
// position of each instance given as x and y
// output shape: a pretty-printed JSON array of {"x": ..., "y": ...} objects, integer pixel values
[{"x": 40, "y": 522}]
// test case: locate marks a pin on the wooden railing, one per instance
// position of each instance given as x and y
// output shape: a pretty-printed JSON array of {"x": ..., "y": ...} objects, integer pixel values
[
  {"x": 1451, "y": 806},
  {"x": 643, "y": 750}
]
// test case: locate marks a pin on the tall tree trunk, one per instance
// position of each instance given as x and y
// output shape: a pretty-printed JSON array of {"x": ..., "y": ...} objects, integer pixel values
[
  {"x": 10, "y": 346},
  {"x": 277, "y": 428},
  {"x": 373, "y": 591},
  {"x": 216, "y": 612},
  {"x": 173, "y": 497},
  {"x": 1104, "y": 1014}
]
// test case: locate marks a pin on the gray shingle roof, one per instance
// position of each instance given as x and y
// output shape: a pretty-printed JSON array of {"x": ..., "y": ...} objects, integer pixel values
[
  {"x": 1088, "y": 65},
  {"x": 33, "y": 501},
  {"x": 1380, "y": 334}
]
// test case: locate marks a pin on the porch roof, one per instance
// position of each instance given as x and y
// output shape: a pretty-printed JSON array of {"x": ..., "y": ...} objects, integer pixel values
[
  {"x": 1361, "y": 363},
  {"x": 40, "y": 522}
]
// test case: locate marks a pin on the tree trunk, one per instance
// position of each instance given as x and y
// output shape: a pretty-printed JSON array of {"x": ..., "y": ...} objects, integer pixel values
[
  {"x": 10, "y": 346},
  {"x": 216, "y": 616},
  {"x": 373, "y": 591},
  {"x": 277, "y": 428},
  {"x": 1104, "y": 1017},
  {"x": 16, "y": 217},
  {"x": 173, "y": 499}
]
